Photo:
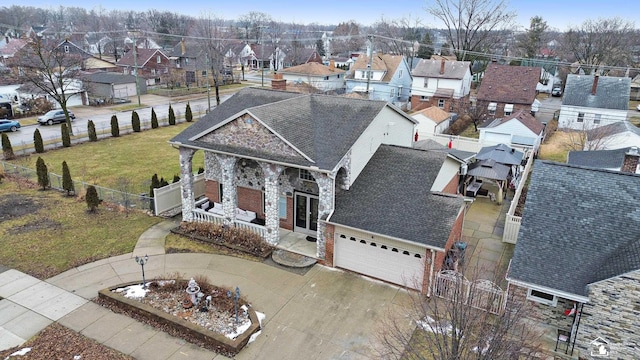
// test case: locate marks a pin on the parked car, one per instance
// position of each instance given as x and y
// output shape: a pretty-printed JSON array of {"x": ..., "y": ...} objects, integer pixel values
[
  {"x": 9, "y": 125},
  {"x": 54, "y": 116},
  {"x": 556, "y": 91}
]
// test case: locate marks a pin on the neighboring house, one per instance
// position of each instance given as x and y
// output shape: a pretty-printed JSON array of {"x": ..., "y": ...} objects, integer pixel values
[
  {"x": 238, "y": 54},
  {"x": 275, "y": 155},
  {"x": 432, "y": 120},
  {"x": 9, "y": 47},
  {"x": 90, "y": 63},
  {"x": 578, "y": 255},
  {"x": 621, "y": 134},
  {"x": 300, "y": 56},
  {"x": 506, "y": 89},
  {"x": 591, "y": 101},
  {"x": 267, "y": 56},
  {"x": 75, "y": 92},
  {"x": 322, "y": 77},
  {"x": 110, "y": 85},
  {"x": 440, "y": 83},
  {"x": 519, "y": 128},
  {"x": 389, "y": 78},
  {"x": 603, "y": 159},
  {"x": 150, "y": 64},
  {"x": 190, "y": 63}
]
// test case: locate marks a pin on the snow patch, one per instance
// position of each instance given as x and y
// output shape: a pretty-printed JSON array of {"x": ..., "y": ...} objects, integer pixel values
[
  {"x": 239, "y": 330},
  {"x": 20, "y": 352},
  {"x": 133, "y": 291}
]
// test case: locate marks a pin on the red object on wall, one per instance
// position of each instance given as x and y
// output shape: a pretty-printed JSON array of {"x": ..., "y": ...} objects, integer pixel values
[
  {"x": 450, "y": 144},
  {"x": 415, "y": 137}
]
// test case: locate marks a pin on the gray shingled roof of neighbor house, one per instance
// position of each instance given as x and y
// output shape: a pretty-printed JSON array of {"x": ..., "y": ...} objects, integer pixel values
[
  {"x": 611, "y": 92},
  {"x": 322, "y": 127},
  {"x": 396, "y": 185},
  {"x": 602, "y": 159},
  {"x": 579, "y": 226}
]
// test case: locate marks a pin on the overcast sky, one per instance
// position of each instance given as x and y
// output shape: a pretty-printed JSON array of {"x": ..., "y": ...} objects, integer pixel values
[{"x": 559, "y": 14}]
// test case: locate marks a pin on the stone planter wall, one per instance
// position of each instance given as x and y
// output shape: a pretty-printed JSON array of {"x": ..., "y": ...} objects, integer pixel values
[{"x": 214, "y": 341}]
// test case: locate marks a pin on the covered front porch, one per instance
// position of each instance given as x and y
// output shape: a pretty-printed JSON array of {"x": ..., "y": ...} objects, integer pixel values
[{"x": 285, "y": 205}]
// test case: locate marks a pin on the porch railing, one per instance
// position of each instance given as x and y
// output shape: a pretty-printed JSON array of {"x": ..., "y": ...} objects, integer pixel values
[{"x": 200, "y": 215}]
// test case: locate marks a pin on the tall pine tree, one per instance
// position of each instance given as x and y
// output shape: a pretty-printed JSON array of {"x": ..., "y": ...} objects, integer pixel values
[
  {"x": 67, "y": 183},
  {"x": 154, "y": 119},
  {"x": 91, "y": 129},
  {"x": 188, "y": 115},
  {"x": 135, "y": 121},
  {"x": 172, "y": 116},
  {"x": 7, "y": 149},
  {"x": 43, "y": 173},
  {"x": 115, "y": 128}
]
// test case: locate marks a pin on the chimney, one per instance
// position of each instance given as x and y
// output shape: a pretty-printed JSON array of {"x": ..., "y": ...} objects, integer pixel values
[
  {"x": 332, "y": 64},
  {"x": 278, "y": 83},
  {"x": 595, "y": 84},
  {"x": 442, "y": 67},
  {"x": 183, "y": 46},
  {"x": 630, "y": 163}
]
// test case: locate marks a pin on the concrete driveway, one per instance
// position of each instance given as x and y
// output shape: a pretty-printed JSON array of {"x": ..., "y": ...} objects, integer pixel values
[{"x": 324, "y": 314}]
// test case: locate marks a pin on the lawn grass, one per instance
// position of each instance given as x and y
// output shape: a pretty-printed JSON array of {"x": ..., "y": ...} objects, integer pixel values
[
  {"x": 177, "y": 243},
  {"x": 44, "y": 233},
  {"x": 470, "y": 132},
  {"x": 135, "y": 157},
  {"x": 555, "y": 147}
]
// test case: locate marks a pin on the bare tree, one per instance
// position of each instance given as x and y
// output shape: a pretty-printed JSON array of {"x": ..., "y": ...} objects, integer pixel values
[
  {"x": 460, "y": 322},
  {"x": 51, "y": 69},
  {"x": 347, "y": 38},
  {"x": 214, "y": 43},
  {"x": 602, "y": 42},
  {"x": 471, "y": 25},
  {"x": 588, "y": 137},
  {"x": 254, "y": 24},
  {"x": 399, "y": 37}
]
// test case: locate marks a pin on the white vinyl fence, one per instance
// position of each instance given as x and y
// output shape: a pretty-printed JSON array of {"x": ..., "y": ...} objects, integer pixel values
[{"x": 169, "y": 197}]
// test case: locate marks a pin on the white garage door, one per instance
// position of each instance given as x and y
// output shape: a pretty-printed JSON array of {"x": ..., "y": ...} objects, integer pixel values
[{"x": 384, "y": 259}]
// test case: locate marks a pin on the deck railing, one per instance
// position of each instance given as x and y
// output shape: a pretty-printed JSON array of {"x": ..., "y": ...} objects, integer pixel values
[{"x": 200, "y": 215}]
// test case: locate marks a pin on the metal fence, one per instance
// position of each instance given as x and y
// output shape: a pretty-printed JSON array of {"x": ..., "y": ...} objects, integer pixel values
[{"x": 122, "y": 198}]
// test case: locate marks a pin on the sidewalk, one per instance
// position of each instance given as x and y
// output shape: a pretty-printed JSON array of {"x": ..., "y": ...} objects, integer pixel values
[{"x": 322, "y": 314}]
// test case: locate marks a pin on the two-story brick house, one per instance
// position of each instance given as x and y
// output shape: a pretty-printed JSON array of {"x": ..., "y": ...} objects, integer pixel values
[
  {"x": 151, "y": 64},
  {"x": 440, "y": 83},
  {"x": 506, "y": 89}
]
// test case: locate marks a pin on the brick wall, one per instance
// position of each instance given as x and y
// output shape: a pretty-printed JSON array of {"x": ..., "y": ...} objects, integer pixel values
[
  {"x": 329, "y": 245},
  {"x": 250, "y": 199},
  {"x": 454, "y": 235},
  {"x": 452, "y": 186},
  {"x": 212, "y": 190}
]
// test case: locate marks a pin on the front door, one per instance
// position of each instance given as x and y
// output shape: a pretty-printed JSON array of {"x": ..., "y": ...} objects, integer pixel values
[{"x": 306, "y": 220}]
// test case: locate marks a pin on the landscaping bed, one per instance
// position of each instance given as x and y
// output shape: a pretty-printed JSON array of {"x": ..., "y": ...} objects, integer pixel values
[
  {"x": 209, "y": 323},
  {"x": 230, "y": 237}
]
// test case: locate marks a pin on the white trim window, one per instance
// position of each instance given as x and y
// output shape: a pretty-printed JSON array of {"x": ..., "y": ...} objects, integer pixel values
[
  {"x": 492, "y": 108},
  {"x": 580, "y": 117},
  {"x": 542, "y": 297},
  {"x": 441, "y": 103},
  {"x": 597, "y": 118},
  {"x": 158, "y": 59},
  {"x": 508, "y": 109},
  {"x": 282, "y": 206}
]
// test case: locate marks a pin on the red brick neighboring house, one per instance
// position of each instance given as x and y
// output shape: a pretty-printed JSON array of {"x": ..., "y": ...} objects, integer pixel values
[
  {"x": 507, "y": 89},
  {"x": 152, "y": 64}
]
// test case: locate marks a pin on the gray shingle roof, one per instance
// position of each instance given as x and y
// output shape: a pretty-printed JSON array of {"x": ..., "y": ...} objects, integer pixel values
[
  {"x": 501, "y": 153},
  {"x": 611, "y": 92},
  {"x": 601, "y": 159},
  {"x": 489, "y": 169},
  {"x": 111, "y": 78},
  {"x": 617, "y": 127},
  {"x": 579, "y": 226},
  {"x": 431, "y": 69},
  {"x": 396, "y": 185},
  {"x": 311, "y": 123}
]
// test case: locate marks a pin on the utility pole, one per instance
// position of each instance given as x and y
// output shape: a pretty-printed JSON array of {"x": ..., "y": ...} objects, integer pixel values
[
  {"x": 208, "y": 86},
  {"x": 262, "y": 55},
  {"x": 135, "y": 65},
  {"x": 370, "y": 54}
]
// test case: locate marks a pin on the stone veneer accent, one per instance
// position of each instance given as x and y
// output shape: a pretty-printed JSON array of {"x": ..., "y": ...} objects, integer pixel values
[
  {"x": 186, "y": 182},
  {"x": 326, "y": 186},
  {"x": 249, "y": 133},
  {"x": 229, "y": 198},
  {"x": 271, "y": 200},
  {"x": 613, "y": 314}
]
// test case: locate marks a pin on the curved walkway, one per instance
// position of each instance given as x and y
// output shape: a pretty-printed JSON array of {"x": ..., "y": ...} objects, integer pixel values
[{"x": 323, "y": 314}]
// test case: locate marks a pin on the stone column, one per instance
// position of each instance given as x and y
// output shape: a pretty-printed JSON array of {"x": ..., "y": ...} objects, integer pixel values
[
  {"x": 326, "y": 195},
  {"x": 186, "y": 183},
  {"x": 272, "y": 201},
  {"x": 229, "y": 191}
]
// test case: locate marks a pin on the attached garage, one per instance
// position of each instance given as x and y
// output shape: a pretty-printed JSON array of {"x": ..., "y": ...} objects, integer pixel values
[{"x": 380, "y": 257}]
